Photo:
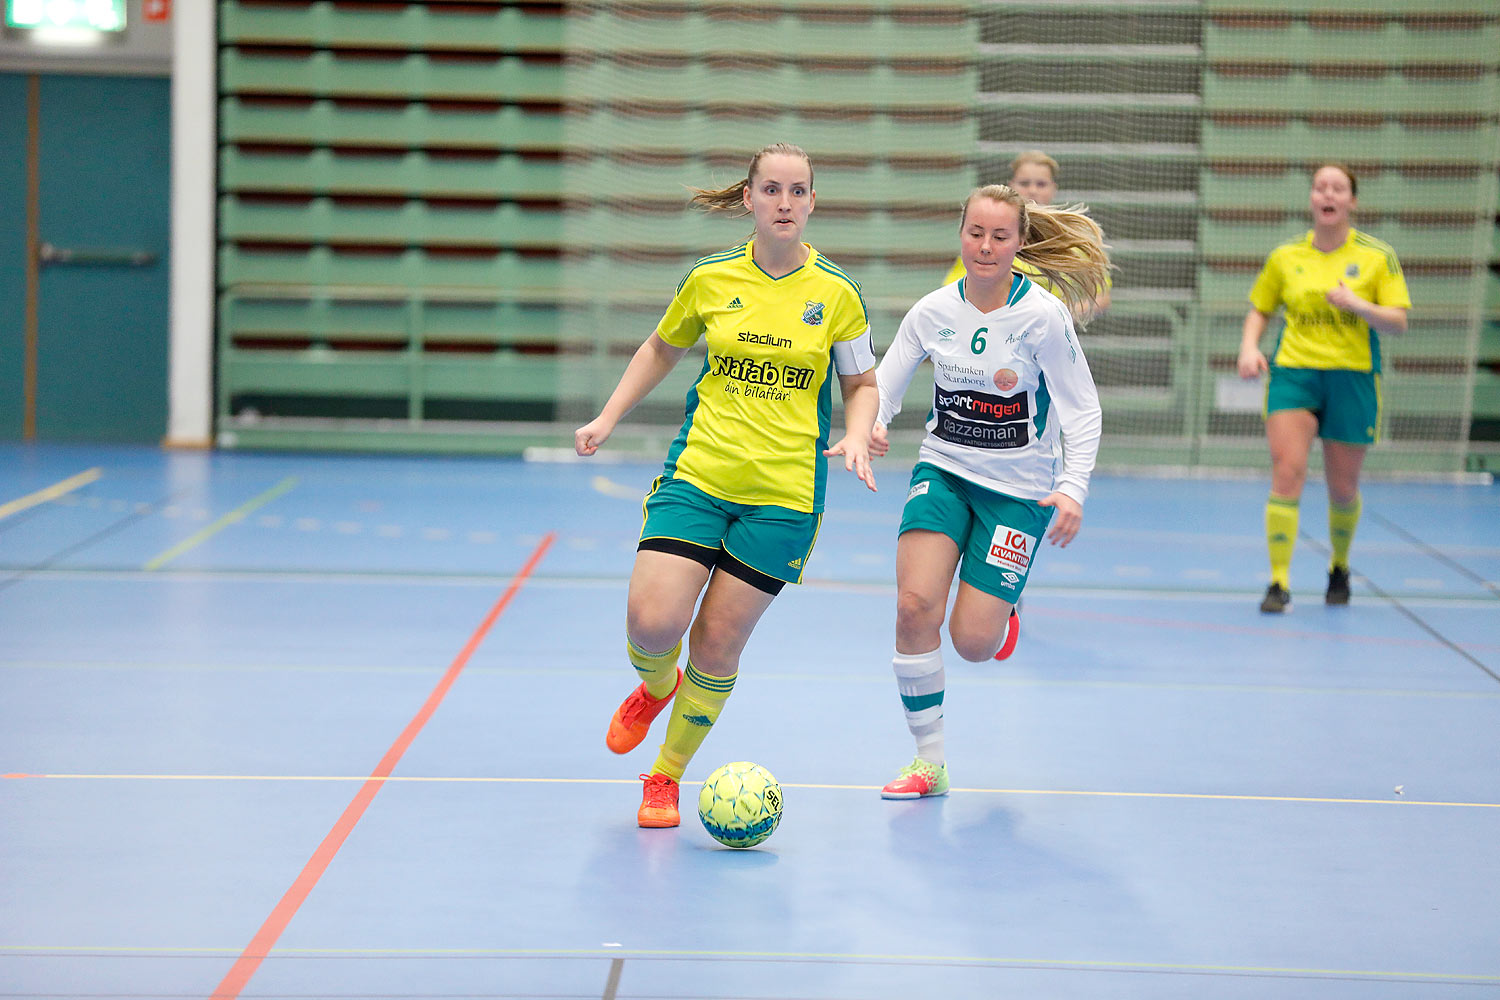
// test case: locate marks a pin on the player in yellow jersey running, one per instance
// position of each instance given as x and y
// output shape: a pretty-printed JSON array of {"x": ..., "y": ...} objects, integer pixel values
[
  {"x": 1033, "y": 174},
  {"x": 736, "y": 511},
  {"x": 1340, "y": 288}
]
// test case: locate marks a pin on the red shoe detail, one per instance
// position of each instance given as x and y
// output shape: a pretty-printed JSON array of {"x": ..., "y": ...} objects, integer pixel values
[{"x": 1012, "y": 633}]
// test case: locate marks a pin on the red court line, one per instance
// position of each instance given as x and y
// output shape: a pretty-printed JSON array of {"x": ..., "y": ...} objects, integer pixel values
[{"x": 265, "y": 939}]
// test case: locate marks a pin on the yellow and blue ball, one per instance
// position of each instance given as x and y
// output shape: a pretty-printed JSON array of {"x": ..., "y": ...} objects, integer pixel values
[{"x": 740, "y": 804}]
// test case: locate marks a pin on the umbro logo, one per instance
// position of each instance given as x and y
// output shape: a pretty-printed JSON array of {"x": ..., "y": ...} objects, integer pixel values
[{"x": 735, "y": 303}]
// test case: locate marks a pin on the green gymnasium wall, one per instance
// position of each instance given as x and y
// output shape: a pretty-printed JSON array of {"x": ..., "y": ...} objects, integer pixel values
[
  {"x": 13, "y": 254},
  {"x": 446, "y": 227}
]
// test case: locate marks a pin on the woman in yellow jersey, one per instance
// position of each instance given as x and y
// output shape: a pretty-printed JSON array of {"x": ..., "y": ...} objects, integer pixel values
[
  {"x": 736, "y": 511},
  {"x": 1034, "y": 174},
  {"x": 1340, "y": 288}
]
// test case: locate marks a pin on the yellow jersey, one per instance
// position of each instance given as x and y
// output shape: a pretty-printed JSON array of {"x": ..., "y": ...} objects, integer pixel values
[
  {"x": 758, "y": 415},
  {"x": 1318, "y": 334}
]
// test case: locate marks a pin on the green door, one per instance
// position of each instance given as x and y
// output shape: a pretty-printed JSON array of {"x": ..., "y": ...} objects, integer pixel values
[{"x": 103, "y": 164}]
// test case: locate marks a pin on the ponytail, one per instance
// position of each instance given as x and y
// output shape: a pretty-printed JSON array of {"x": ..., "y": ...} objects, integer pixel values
[
  {"x": 1062, "y": 243},
  {"x": 732, "y": 198}
]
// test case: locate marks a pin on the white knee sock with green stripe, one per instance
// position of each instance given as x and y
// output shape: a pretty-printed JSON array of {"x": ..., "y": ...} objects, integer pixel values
[{"x": 919, "y": 678}]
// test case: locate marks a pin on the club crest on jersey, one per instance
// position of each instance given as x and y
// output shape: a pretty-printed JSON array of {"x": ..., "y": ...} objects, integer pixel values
[
  {"x": 813, "y": 314},
  {"x": 1005, "y": 380},
  {"x": 1352, "y": 271}
]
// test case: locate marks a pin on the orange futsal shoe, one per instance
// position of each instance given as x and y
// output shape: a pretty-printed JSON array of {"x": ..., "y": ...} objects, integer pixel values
[
  {"x": 632, "y": 720},
  {"x": 658, "y": 803}
]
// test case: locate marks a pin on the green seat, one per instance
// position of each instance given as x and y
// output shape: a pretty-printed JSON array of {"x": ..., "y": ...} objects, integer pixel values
[
  {"x": 408, "y": 268},
  {"x": 1276, "y": 40},
  {"x": 1249, "y": 138},
  {"x": 417, "y": 173},
  {"x": 325, "y": 122},
  {"x": 324, "y": 73},
  {"x": 1392, "y": 93},
  {"x": 414, "y": 26},
  {"x": 775, "y": 34},
  {"x": 413, "y": 222},
  {"x": 1354, "y": 8}
]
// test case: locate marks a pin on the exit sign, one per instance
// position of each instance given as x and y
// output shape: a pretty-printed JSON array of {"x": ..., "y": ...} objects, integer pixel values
[{"x": 96, "y": 15}]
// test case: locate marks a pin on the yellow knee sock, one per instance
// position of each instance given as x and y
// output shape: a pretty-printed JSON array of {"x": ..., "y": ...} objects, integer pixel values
[
  {"x": 1281, "y": 536},
  {"x": 658, "y": 670},
  {"x": 1341, "y": 524},
  {"x": 694, "y": 711}
]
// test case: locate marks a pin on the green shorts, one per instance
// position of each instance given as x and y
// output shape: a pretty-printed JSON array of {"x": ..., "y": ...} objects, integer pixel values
[
  {"x": 762, "y": 544},
  {"x": 997, "y": 535},
  {"x": 1346, "y": 403}
]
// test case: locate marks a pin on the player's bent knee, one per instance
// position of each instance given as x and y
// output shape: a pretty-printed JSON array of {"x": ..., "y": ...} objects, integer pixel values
[
  {"x": 976, "y": 649},
  {"x": 654, "y": 630}
]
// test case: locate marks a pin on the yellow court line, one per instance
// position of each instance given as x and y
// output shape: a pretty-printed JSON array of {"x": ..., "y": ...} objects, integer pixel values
[
  {"x": 238, "y": 514},
  {"x": 875, "y": 958},
  {"x": 610, "y": 488},
  {"x": 50, "y": 493},
  {"x": 456, "y": 779}
]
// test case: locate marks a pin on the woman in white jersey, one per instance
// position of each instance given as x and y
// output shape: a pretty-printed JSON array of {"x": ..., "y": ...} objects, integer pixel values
[
  {"x": 736, "y": 510},
  {"x": 1010, "y": 385}
]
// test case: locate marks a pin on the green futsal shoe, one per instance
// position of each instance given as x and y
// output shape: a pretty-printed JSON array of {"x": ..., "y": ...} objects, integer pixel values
[{"x": 918, "y": 780}]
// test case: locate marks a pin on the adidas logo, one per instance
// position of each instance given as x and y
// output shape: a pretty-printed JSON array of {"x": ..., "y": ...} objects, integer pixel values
[
  {"x": 735, "y": 303},
  {"x": 795, "y": 564},
  {"x": 698, "y": 720}
]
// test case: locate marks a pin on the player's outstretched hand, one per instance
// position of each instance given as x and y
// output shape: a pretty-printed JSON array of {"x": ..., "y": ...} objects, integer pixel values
[
  {"x": 588, "y": 438},
  {"x": 856, "y": 459},
  {"x": 1067, "y": 520},
  {"x": 880, "y": 441}
]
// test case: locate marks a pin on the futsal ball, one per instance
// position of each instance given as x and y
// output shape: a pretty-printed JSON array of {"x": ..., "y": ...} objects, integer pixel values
[{"x": 740, "y": 804}]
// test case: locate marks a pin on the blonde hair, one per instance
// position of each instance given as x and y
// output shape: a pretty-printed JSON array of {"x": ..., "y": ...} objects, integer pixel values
[
  {"x": 1034, "y": 156},
  {"x": 1061, "y": 242},
  {"x": 732, "y": 198}
]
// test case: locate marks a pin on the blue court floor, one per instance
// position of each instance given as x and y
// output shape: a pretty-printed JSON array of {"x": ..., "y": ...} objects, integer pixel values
[{"x": 332, "y": 726}]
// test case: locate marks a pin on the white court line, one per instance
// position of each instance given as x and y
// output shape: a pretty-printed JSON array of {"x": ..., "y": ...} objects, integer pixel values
[
  {"x": 615, "y": 951},
  {"x": 495, "y": 780}
]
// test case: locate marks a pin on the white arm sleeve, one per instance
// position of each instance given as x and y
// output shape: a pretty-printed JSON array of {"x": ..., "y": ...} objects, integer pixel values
[
  {"x": 854, "y": 357},
  {"x": 1080, "y": 420},
  {"x": 897, "y": 368}
]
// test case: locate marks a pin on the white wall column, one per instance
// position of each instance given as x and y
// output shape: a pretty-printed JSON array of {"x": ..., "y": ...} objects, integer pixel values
[{"x": 194, "y": 152}]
